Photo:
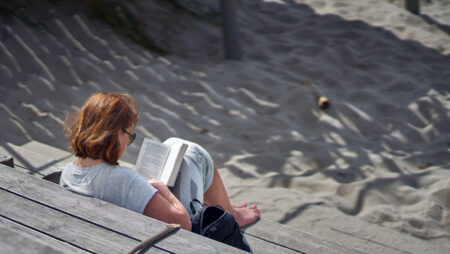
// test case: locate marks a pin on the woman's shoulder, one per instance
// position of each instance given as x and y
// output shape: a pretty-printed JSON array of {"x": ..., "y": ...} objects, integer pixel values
[{"x": 101, "y": 167}]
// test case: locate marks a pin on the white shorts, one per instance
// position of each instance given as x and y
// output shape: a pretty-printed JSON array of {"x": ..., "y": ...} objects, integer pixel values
[{"x": 196, "y": 173}]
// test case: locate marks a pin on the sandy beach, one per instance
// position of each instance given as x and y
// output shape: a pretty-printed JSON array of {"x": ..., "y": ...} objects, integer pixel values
[{"x": 380, "y": 154}]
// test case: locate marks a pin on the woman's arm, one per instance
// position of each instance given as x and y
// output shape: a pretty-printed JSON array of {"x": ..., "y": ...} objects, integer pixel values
[{"x": 164, "y": 206}]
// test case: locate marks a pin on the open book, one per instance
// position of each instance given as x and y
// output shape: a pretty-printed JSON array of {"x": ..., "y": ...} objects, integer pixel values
[{"x": 160, "y": 161}]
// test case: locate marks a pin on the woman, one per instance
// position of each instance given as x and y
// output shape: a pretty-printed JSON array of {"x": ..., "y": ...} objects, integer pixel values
[{"x": 99, "y": 134}]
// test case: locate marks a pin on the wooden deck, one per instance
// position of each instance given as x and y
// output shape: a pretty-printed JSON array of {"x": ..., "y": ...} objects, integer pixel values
[
  {"x": 42, "y": 217},
  {"x": 83, "y": 224}
]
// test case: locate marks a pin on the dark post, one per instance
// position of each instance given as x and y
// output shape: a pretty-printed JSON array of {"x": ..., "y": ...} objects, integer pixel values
[
  {"x": 230, "y": 34},
  {"x": 413, "y": 6}
]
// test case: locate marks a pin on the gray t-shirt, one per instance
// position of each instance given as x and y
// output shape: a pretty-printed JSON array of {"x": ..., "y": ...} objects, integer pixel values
[{"x": 118, "y": 185}]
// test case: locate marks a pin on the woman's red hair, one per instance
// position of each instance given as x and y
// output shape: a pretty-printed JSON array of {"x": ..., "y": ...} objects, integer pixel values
[{"x": 93, "y": 131}]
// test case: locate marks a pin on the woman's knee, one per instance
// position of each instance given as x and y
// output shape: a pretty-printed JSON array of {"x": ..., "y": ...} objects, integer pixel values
[{"x": 200, "y": 156}]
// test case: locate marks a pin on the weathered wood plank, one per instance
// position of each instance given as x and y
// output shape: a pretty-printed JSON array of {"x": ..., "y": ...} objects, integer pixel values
[
  {"x": 39, "y": 159},
  {"x": 14, "y": 242},
  {"x": 46, "y": 161},
  {"x": 79, "y": 233},
  {"x": 294, "y": 239},
  {"x": 39, "y": 237},
  {"x": 114, "y": 218},
  {"x": 262, "y": 246}
]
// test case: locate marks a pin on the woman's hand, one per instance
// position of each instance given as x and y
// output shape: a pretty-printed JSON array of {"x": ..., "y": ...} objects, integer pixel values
[{"x": 159, "y": 185}]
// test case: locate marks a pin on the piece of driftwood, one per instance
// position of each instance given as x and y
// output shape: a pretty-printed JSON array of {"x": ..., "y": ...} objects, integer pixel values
[{"x": 145, "y": 245}]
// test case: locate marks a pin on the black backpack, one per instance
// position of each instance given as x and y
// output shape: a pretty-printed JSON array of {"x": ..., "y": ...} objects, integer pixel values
[{"x": 216, "y": 223}]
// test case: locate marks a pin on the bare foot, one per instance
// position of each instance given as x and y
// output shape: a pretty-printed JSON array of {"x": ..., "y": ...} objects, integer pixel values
[
  {"x": 242, "y": 204},
  {"x": 245, "y": 215}
]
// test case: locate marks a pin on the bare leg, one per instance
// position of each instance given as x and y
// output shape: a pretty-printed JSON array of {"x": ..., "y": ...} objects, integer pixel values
[{"x": 217, "y": 195}]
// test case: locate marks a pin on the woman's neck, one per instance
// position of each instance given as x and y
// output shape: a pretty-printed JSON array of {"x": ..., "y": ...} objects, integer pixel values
[{"x": 87, "y": 162}]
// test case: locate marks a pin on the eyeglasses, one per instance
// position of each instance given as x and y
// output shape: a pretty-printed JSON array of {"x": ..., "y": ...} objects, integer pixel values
[{"x": 131, "y": 136}]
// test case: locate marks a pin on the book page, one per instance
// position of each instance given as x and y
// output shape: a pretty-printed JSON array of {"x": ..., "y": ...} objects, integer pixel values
[
  {"x": 173, "y": 163},
  {"x": 152, "y": 158}
]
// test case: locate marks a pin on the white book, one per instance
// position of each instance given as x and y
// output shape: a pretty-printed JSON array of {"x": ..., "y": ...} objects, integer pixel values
[{"x": 160, "y": 161}]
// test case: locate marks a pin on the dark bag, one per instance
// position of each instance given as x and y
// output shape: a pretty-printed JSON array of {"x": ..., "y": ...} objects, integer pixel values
[{"x": 214, "y": 222}]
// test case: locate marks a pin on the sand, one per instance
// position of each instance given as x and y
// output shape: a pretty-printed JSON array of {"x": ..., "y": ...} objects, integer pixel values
[{"x": 380, "y": 154}]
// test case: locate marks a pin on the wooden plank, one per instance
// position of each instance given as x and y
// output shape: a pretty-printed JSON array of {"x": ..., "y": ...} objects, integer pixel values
[
  {"x": 36, "y": 163},
  {"x": 262, "y": 246},
  {"x": 14, "y": 242},
  {"x": 112, "y": 217},
  {"x": 38, "y": 237},
  {"x": 50, "y": 152},
  {"x": 63, "y": 228},
  {"x": 39, "y": 159},
  {"x": 294, "y": 239},
  {"x": 75, "y": 231}
]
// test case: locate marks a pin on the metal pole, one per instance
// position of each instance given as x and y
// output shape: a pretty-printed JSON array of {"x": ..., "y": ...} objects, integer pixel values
[
  {"x": 230, "y": 33},
  {"x": 413, "y": 6}
]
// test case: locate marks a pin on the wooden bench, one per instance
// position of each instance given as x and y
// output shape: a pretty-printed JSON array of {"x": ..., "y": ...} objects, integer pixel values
[{"x": 74, "y": 223}]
